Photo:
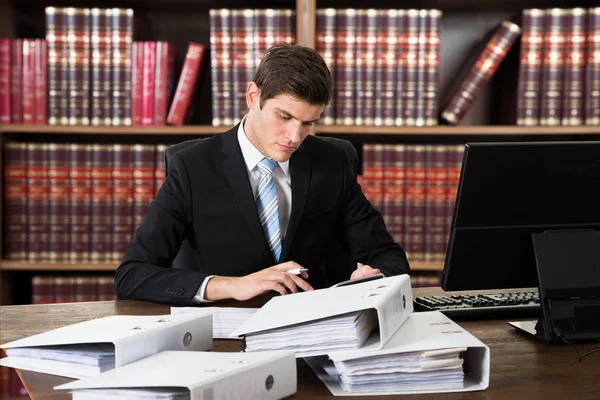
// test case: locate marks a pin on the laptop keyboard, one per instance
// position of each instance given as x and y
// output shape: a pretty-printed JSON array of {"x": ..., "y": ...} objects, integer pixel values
[{"x": 481, "y": 305}]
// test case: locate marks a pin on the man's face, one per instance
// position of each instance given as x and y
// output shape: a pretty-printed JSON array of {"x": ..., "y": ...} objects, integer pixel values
[{"x": 281, "y": 125}]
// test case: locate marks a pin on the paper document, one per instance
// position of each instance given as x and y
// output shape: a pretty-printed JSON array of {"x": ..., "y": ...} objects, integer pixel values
[
  {"x": 225, "y": 319},
  {"x": 429, "y": 353}
]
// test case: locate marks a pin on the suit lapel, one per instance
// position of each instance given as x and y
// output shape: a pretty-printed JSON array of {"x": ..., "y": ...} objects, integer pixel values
[
  {"x": 237, "y": 177},
  {"x": 301, "y": 172}
]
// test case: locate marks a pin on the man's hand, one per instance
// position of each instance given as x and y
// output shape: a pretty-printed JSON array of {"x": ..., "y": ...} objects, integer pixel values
[
  {"x": 364, "y": 270},
  {"x": 246, "y": 287}
]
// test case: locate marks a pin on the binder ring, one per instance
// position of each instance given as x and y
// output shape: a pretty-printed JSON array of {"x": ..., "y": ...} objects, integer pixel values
[{"x": 187, "y": 339}]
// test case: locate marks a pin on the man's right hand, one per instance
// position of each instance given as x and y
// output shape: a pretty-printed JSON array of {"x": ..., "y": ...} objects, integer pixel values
[{"x": 246, "y": 287}]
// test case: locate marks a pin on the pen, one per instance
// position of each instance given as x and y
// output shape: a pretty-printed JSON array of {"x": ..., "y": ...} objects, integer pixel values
[{"x": 296, "y": 271}]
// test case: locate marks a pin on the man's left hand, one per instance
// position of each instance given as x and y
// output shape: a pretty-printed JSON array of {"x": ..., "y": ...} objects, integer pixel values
[{"x": 364, "y": 270}]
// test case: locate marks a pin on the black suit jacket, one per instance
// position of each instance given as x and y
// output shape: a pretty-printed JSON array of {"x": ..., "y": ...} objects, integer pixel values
[{"x": 208, "y": 199}]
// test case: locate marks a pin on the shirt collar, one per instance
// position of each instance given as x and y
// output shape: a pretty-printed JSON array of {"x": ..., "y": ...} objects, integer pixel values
[{"x": 252, "y": 156}]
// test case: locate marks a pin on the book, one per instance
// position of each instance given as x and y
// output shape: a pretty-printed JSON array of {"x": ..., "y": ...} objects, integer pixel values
[
  {"x": 188, "y": 80},
  {"x": 488, "y": 60}
]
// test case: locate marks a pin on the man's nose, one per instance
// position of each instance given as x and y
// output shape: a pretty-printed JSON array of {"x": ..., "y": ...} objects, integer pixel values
[{"x": 294, "y": 132}]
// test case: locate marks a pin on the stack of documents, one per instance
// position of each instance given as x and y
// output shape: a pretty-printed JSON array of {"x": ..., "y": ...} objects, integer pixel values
[
  {"x": 429, "y": 353},
  {"x": 333, "y": 319},
  {"x": 194, "y": 375},
  {"x": 225, "y": 319},
  {"x": 98, "y": 345}
]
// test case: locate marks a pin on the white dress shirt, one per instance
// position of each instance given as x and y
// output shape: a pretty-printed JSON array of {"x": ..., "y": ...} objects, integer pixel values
[{"x": 283, "y": 184}]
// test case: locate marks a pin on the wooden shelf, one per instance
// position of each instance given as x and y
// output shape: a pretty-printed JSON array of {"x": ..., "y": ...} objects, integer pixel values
[
  {"x": 320, "y": 129},
  {"x": 114, "y": 130},
  {"x": 426, "y": 266},
  {"x": 6, "y": 265},
  {"x": 459, "y": 130}
]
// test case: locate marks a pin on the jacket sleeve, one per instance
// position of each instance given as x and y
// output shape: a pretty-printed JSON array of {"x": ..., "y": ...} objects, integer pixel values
[{"x": 145, "y": 272}]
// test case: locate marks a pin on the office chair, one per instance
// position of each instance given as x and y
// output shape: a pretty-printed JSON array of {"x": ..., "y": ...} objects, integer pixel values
[{"x": 336, "y": 256}]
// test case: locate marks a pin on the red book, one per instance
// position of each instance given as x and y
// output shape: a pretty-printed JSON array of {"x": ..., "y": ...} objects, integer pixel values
[
  {"x": 15, "y": 201},
  {"x": 188, "y": 79},
  {"x": 28, "y": 82},
  {"x": 592, "y": 77},
  {"x": 4, "y": 81},
  {"x": 165, "y": 64},
  {"x": 137, "y": 82},
  {"x": 16, "y": 81},
  {"x": 148, "y": 83},
  {"x": 41, "y": 81}
]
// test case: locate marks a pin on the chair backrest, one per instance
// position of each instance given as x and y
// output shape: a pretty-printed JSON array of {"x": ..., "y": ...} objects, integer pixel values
[{"x": 336, "y": 255}]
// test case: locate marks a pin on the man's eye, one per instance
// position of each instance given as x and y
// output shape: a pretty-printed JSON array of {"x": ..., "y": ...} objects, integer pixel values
[
  {"x": 284, "y": 117},
  {"x": 309, "y": 124}
]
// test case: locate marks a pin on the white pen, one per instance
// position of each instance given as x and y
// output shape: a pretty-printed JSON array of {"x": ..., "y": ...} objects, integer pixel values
[{"x": 296, "y": 271}]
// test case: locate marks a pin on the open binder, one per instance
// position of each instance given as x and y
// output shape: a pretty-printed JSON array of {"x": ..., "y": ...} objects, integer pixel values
[
  {"x": 374, "y": 370},
  {"x": 319, "y": 321},
  {"x": 195, "y": 375},
  {"x": 98, "y": 345}
]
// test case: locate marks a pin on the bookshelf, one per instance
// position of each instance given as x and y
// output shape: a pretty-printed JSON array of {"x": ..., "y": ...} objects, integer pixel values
[{"x": 465, "y": 22}]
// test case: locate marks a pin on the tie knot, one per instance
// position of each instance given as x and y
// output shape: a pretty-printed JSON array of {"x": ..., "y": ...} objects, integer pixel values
[{"x": 266, "y": 166}]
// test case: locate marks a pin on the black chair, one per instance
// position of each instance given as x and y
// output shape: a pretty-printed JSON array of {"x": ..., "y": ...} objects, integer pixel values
[{"x": 336, "y": 256}]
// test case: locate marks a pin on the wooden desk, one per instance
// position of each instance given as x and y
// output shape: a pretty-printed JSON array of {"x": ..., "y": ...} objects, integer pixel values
[{"x": 522, "y": 367}]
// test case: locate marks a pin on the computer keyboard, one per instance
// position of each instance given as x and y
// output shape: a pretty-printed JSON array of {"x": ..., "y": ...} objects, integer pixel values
[{"x": 493, "y": 305}]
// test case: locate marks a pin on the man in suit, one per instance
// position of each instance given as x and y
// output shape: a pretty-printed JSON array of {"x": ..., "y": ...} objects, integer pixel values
[{"x": 259, "y": 200}]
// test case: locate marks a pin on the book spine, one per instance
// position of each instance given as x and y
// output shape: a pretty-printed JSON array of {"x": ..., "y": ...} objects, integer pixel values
[
  {"x": 410, "y": 73},
  {"x": 346, "y": 65},
  {"x": 16, "y": 84},
  {"x": 143, "y": 181},
  {"x": 100, "y": 47},
  {"x": 552, "y": 67},
  {"x": 42, "y": 289},
  {"x": 432, "y": 67},
  {"x": 530, "y": 69},
  {"x": 366, "y": 48},
  {"x": 64, "y": 289},
  {"x": 78, "y": 28},
  {"x": 28, "y": 82},
  {"x": 5, "y": 81},
  {"x": 592, "y": 77},
  {"x": 58, "y": 202},
  {"x": 159, "y": 174},
  {"x": 15, "y": 201},
  {"x": 389, "y": 68},
  {"x": 165, "y": 55},
  {"x": 482, "y": 70},
  {"x": 122, "y": 200},
  {"x": 420, "y": 69},
  {"x": 86, "y": 288},
  {"x": 56, "y": 39},
  {"x": 122, "y": 38},
  {"x": 101, "y": 199},
  {"x": 137, "y": 82},
  {"x": 325, "y": 46},
  {"x": 80, "y": 200},
  {"x": 41, "y": 81},
  {"x": 454, "y": 159},
  {"x": 148, "y": 86},
  {"x": 396, "y": 190},
  {"x": 574, "y": 74},
  {"x": 37, "y": 202},
  {"x": 221, "y": 67},
  {"x": 186, "y": 86},
  {"x": 286, "y": 26},
  {"x": 242, "y": 68}
]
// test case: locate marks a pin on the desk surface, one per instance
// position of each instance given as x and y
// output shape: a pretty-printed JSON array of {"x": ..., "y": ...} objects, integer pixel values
[{"x": 522, "y": 367}]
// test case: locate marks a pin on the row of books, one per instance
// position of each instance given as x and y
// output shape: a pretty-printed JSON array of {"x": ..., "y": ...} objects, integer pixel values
[
  {"x": 385, "y": 64},
  {"x": 414, "y": 187},
  {"x": 238, "y": 40},
  {"x": 69, "y": 289},
  {"x": 76, "y": 202},
  {"x": 559, "y": 76}
]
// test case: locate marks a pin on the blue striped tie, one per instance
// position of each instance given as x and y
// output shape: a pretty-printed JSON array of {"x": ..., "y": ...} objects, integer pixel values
[{"x": 268, "y": 207}]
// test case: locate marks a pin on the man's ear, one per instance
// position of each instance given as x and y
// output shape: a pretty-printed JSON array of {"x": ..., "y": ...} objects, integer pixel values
[{"x": 252, "y": 96}]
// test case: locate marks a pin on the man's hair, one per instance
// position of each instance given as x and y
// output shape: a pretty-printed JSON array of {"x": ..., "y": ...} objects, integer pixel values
[{"x": 297, "y": 71}]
